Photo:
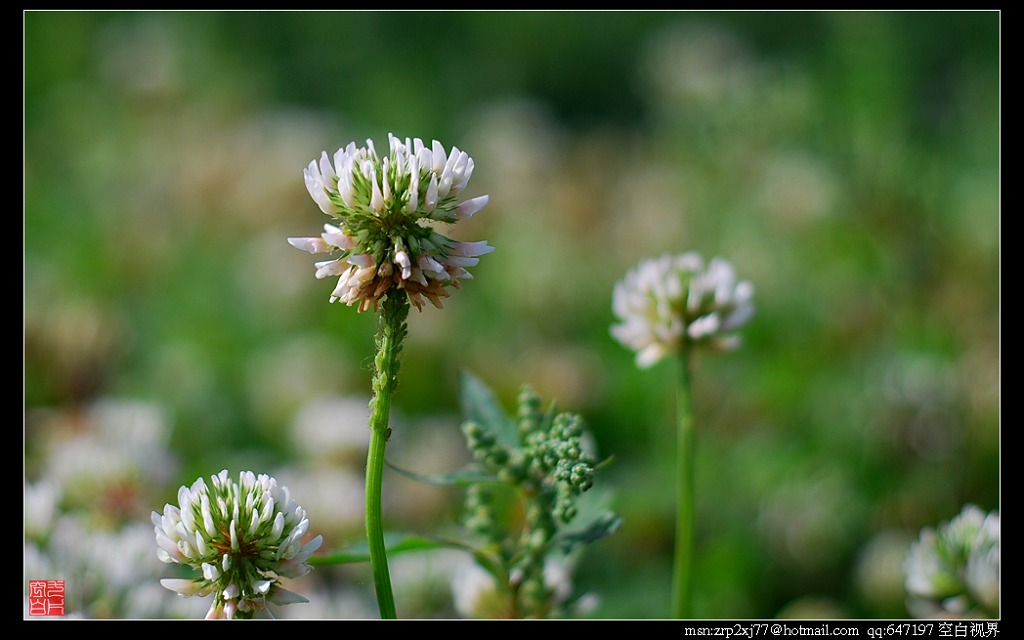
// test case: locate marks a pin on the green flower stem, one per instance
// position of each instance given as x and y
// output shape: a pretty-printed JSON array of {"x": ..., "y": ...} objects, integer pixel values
[
  {"x": 391, "y": 333},
  {"x": 685, "y": 442}
]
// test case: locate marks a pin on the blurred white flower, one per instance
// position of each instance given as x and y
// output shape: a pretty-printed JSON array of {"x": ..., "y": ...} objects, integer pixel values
[
  {"x": 242, "y": 536},
  {"x": 878, "y": 575},
  {"x": 385, "y": 209},
  {"x": 667, "y": 304},
  {"x": 42, "y": 500},
  {"x": 338, "y": 513},
  {"x": 954, "y": 569},
  {"x": 332, "y": 428},
  {"x": 115, "y": 461}
]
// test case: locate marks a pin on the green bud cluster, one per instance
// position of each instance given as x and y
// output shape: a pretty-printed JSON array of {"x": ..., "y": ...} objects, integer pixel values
[{"x": 546, "y": 468}]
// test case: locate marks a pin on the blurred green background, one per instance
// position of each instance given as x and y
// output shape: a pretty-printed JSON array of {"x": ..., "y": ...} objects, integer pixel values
[{"x": 847, "y": 164}]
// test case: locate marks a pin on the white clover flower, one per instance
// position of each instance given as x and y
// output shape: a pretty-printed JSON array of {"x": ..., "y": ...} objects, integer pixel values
[
  {"x": 954, "y": 569},
  {"x": 118, "y": 457},
  {"x": 670, "y": 303},
  {"x": 385, "y": 209},
  {"x": 242, "y": 537}
]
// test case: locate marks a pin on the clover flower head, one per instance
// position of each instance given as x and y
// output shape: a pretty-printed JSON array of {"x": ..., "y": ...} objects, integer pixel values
[
  {"x": 385, "y": 211},
  {"x": 243, "y": 537},
  {"x": 667, "y": 304},
  {"x": 954, "y": 569}
]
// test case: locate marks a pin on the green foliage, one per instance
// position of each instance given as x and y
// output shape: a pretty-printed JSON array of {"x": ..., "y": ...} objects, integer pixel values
[{"x": 546, "y": 468}]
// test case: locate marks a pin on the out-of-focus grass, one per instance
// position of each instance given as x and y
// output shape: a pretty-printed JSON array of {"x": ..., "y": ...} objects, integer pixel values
[{"x": 846, "y": 163}]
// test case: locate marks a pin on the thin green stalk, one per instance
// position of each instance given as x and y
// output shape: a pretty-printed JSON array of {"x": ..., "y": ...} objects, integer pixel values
[
  {"x": 685, "y": 442},
  {"x": 391, "y": 333}
]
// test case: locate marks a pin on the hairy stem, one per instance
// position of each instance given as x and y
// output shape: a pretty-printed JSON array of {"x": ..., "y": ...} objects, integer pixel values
[{"x": 391, "y": 333}]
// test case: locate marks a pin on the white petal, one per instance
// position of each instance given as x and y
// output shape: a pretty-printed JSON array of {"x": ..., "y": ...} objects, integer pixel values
[
  {"x": 471, "y": 249},
  {"x": 469, "y": 207},
  {"x": 361, "y": 260},
  {"x": 330, "y": 268},
  {"x": 460, "y": 261},
  {"x": 402, "y": 260},
  {"x": 377, "y": 199},
  {"x": 182, "y": 586},
  {"x": 430, "y": 201},
  {"x": 650, "y": 355},
  {"x": 439, "y": 157},
  {"x": 170, "y": 548},
  {"x": 263, "y": 586},
  {"x": 311, "y": 245},
  {"x": 278, "y": 528}
]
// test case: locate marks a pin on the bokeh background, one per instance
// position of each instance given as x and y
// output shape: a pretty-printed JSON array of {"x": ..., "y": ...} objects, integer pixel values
[{"x": 847, "y": 164}]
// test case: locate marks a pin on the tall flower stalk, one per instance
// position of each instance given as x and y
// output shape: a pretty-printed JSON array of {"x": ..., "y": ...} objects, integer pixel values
[
  {"x": 682, "y": 568},
  {"x": 388, "y": 254},
  {"x": 391, "y": 333},
  {"x": 670, "y": 306}
]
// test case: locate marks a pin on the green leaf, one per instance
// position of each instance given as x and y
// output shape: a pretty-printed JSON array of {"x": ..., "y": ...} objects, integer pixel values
[
  {"x": 602, "y": 525},
  {"x": 461, "y": 478},
  {"x": 394, "y": 543},
  {"x": 480, "y": 406}
]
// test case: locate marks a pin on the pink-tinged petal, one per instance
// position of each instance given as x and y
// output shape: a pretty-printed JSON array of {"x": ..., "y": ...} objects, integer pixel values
[
  {"x": 471, "y": 249},
  {"x": 416, "y": 275},
  {"x": 461, "y": 261},
  {"x": 704, "y": 326},
  {"x": 361, "y": 260},
  {"x": 311, "y": 245},
  {"x": 458, "y": 273},
  {"x": 402, "y": 260},
  {"x": 336, "y": 238},
  {"x": 330, "y": 268},
  {"x": 430, "y": 265},
  {"x": 183, "y": 586},
  {"x": 216, "y": 612},
  {"x": 469, "y": 207},
  {"x": 310, "y": 547},
  {"x": 650, "y": 355}
]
